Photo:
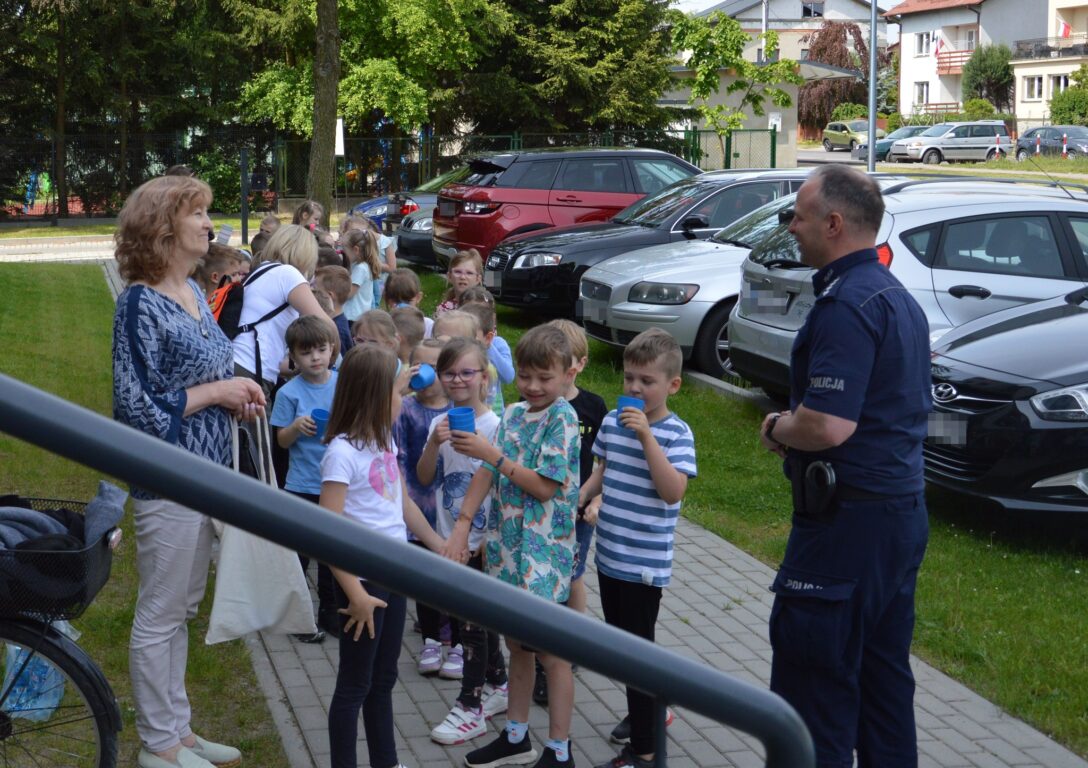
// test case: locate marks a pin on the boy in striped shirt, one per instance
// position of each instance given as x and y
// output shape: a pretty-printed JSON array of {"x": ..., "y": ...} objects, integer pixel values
[{"x": 646, "y": 457}]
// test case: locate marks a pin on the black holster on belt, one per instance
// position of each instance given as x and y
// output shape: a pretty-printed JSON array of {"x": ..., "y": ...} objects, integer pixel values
[{"x": 814, "y": 485}]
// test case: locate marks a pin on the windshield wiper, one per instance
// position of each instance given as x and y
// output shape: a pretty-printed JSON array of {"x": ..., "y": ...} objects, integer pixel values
[
  {"x": 738, "y": 243},
  {"x": 791, "y": 263}
]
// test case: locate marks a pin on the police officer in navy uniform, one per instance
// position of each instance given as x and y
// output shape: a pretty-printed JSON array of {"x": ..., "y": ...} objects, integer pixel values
[{"x": 843, "y": 612}]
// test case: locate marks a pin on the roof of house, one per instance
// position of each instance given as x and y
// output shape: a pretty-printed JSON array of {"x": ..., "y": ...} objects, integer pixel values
[
  {"x": 728, "y": 7},
  {"x": 924, "y": 6}
]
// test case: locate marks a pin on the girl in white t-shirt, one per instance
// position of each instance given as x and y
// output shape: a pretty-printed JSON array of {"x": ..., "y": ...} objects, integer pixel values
[
  {"x": 462, "y": 369},
  {"x": 360, "y": 479}
]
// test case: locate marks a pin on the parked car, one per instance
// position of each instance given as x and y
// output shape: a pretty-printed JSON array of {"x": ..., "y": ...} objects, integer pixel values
[
  {"x": 1049, "y": 140},
  {"x": 861, "y": 152},
  {"x": 541, "y": 270},
  {"x": 387, "y": 210},
  {"x": 847, "y": 134},
  {"x": 1010, "y": 407},
  {"x": 516, "y": 192},
  {"x": 954, "y": 142},
  {"x": 687, "y": 288},
  {"x": 963, "y": 248}
]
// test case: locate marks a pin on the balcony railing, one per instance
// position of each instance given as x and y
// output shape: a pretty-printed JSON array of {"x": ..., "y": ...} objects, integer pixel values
[
  {"x": 951, "y": 62},
  {"x": 938, "y": 107},
  {"x": 1051, "y": 47}
]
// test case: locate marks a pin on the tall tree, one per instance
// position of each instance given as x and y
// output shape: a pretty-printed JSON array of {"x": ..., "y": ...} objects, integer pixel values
[
  {"x": 988, "y": 75},
  {"x": 715, "y": 45},
  {"x": 573, "y": 65},
  {"x": 840, "y": 44},
  {"x": 319, "y": 178}
]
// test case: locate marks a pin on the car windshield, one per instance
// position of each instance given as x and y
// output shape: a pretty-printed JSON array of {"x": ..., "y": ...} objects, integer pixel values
[
  {"x": 1076, "y": 132},
  {"x": 756, "y": 226},
  {"x": 903, "y": 133},
  {"x": 652, "y": 211},
  {"x": 938, "y": 130},
  {"x": 858, "y": 125},
  {"x": 449, "y": 177}
]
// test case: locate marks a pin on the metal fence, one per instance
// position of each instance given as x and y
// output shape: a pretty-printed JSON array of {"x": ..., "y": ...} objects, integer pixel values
[
  {"x": 91, "y": 174},
  {"x": 120, "y": 451}
]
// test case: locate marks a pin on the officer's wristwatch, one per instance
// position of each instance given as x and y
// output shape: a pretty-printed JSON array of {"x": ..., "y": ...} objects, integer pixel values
[{"x": 769, "y": 432}]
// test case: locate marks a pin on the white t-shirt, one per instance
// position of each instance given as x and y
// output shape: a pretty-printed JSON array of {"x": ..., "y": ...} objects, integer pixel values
[
  {"x": 260, "y": 298},
  {"x": 454, "y": 472},
  {"x": 374, "y": 497}
]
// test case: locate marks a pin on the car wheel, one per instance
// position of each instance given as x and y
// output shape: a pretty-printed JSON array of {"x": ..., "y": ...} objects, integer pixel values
[
  {"x": 827, "y": 145},
  {"x": 711, "y": 351},
  {"x": 1021, "y": 155},
  {"x": 852, "y": 145},
  {"x": 1071, "y": 153},
  {"x": 994, "y": 154},
  {"x": 931, "y": 157}
]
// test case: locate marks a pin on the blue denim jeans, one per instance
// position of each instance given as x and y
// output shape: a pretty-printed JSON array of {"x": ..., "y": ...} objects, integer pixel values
[{"x": 368, "y": 672}]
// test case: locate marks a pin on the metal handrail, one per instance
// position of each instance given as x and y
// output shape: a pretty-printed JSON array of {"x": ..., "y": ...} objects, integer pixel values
[{"x": 86, "y": 437}]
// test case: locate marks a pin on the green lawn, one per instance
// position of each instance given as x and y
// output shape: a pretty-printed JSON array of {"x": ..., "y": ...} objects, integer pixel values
[
  {"x": 1002, "y": 604},
  {"x": 1072, "y": 171},
  {"x": 55, "y": 334}
]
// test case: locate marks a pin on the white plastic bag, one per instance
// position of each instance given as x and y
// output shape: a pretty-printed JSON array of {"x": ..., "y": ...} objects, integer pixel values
[{"x": 259, "y": 585}]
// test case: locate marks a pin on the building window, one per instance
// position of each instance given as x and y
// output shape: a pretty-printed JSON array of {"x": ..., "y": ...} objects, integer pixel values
[
  {"x": 921, "y": 43},
  {"x": 1033, "y": 88},
  {"x": 804, "y": 54},
  {"x": 1058, "y": 84},
  {"x": 921, "y": 93},
  {"x": 811, "y": 9},
  {"x": 970, "y": 40}
]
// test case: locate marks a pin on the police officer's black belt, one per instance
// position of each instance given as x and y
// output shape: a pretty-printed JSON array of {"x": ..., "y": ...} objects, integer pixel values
[{"x": 849, "y": 493}]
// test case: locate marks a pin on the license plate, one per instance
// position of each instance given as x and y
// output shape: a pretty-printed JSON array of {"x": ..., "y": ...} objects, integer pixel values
[
  {"x": 492, "y": 279},
  {"x": 947, "y": 429},
  {"x": 591, "y": 311},
  {"x": 755, "y": 300},
  {"x": 447, "y": 208}
]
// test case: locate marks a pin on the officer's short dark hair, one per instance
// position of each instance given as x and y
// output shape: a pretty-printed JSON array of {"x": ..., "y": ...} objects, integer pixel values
[{"x": 852, "y": 194}]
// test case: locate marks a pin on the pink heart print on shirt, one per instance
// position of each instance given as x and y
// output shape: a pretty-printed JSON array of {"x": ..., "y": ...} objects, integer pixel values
[{"x": 384, "y": 475}]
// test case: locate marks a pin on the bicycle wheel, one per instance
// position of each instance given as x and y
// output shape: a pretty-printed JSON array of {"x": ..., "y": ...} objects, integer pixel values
[{"x": 56, "y": 708}]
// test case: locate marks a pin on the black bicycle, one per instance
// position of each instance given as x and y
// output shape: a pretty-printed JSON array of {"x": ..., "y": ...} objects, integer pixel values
[{"x": 56, "y": 707}]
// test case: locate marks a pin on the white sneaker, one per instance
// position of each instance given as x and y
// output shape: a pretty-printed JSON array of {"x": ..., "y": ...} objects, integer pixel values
[
  {"x": 459, "y": 726},
  {"x": 493, "y": 699}
]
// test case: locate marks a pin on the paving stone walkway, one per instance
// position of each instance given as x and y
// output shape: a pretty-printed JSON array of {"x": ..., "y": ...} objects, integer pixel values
[{"x": 715, "y": 612}]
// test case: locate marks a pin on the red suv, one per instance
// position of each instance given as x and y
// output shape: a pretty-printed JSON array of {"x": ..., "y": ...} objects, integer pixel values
[{"x": 518, "y": 192}]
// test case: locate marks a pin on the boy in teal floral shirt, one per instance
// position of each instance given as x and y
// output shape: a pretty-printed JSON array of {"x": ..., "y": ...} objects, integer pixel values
[{"x": 530, "y": 542}]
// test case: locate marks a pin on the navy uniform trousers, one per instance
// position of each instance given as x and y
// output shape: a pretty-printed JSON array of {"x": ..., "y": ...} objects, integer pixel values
[{"x": 841, "y": 630}]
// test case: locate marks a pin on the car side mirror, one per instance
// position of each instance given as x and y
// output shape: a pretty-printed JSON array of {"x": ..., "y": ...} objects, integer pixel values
[{"x": 695, "y": 221}]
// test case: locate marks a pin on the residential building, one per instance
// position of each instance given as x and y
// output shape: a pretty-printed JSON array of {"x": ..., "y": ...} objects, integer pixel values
[
  {"x": 937, "y": 37},
  {"x": 793, "y": 20},
  {"x": 1042, "y": 65}
]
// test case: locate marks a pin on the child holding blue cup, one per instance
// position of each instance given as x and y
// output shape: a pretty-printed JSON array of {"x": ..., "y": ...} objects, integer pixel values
[{"x": 299, "y": 416}]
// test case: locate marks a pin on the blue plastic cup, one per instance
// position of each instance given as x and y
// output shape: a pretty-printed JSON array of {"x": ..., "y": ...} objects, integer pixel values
[
  {"x": 462, "y": 419},
  {"x": 321, "y": 418},
  {"x": 623, "y": 401},
  {"x": 424, "y": 377}
]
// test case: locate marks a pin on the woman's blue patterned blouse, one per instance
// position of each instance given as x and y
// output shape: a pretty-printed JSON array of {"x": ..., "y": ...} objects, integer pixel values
[{"x": 159, "y": 351}]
